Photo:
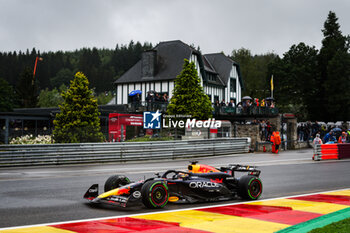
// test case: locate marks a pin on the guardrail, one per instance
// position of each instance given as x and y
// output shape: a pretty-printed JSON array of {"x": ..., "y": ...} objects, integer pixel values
[
  {"x": 59, "y": 154},
  {"x": 331, "y": 151}
]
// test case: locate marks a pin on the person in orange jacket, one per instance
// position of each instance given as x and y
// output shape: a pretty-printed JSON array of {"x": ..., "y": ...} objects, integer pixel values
[
  {"x": 276, "y": 141},
  {"x": 342, "y": 138}
]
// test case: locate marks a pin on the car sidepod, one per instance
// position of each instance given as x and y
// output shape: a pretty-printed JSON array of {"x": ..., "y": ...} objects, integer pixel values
[{"x": 199, "y": 188}]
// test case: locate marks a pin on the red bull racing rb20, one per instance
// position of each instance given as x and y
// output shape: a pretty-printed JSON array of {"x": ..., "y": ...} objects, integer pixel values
[{"x": 200, "y": 183}]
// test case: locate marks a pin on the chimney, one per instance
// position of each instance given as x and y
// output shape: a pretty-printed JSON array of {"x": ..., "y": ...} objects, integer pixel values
[{"x": 148, "y": 63}]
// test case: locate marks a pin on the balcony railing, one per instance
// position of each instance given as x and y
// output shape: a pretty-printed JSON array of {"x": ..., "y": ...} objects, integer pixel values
[
  {"x": 217, "y": 110},
  {"x": 252, "y": 110}
]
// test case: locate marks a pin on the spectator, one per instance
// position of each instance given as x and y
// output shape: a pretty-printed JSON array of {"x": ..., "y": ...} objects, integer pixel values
[
  {"x": 149, "y": 100},
  {"x": 257, "y": 102},
  {"x": 307, "y": 131},
  {"x": 300, "y": 133},
  {"x": 222, "y": 104},
  {"x": 165, "y": 98},
  {"x": 262, "y": 103},
  {"x": 317, "y": 140},
  {"x": 329, "y": 137},
  {"x": 157, "y": 98},
  {"x": 239, "y": 107},
  {"x": 263, "y": 130},
  {"x": 343, "y": 138},
  {"x": 323, "y": 130},
  {"x": 136, "y": 98},
  {"x": 231, "y": 104},
  {"x": 149, "y": 97},
  {"x": 315, "y": 128},
  {"x": 268, "y": 131}
]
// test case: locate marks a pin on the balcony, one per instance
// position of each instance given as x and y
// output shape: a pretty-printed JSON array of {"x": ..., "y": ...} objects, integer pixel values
[{"x": 217, "y": 110}]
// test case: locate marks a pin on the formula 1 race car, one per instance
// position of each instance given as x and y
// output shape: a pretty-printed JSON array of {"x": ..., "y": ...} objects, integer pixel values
[{"x": 201, "y": 183}]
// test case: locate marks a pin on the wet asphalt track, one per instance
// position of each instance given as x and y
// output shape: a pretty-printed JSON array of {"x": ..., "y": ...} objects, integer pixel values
[{"x": 53, "y": 194}]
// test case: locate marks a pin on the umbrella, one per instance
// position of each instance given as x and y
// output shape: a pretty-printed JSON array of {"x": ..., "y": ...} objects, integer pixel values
[
  {"x": 135, "y": 92},
  {"x": 270, "y": 98},
  {"x": 337, "y": 129},
  {"x": 247, "y": 98}
]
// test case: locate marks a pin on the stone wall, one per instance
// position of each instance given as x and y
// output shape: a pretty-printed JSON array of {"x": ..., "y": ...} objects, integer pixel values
[{"x": 251, "y": 131}]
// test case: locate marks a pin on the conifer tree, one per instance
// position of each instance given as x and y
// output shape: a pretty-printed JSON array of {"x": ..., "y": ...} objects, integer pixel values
[
  {"x": 334, "y": 67},
  {"x": 188, "y": 95},
  {"x": 78, "y": 120},
  {"x": 7, "y": 96},
  {"x": 27, "y": 89}
]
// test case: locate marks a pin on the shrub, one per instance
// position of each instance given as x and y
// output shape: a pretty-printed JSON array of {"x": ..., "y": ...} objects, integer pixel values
[{"x": 30, "y": 139}]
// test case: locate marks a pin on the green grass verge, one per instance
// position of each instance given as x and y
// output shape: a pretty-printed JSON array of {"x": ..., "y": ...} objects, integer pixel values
[{"x": 342, "y": 226}]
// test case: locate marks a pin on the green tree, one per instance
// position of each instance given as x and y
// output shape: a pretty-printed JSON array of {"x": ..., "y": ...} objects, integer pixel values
[
  {"x": 295, "y": 80},
  {"x": 49, "y": 98},
  {"x": 7, "y": 96},
  {"x": 27, "y": 89},
  {"x": 64, "y": 76},
  {"x": 78, "y": 120},
  {"x": 254, "y": 71},
  {"x": 334, "y": 68},
  {"x": 188, "y": 95},
  {"x": 104, "y": 98}
]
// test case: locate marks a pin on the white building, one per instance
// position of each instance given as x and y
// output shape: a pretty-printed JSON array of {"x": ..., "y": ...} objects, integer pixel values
[{"x": 158, "y": 68}]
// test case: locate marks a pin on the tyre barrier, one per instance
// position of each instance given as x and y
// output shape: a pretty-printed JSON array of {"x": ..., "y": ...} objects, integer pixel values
[{"x": 331, "y": 151}]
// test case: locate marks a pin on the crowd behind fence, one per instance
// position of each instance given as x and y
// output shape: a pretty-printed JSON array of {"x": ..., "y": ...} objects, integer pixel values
[{"x": 328, "y": 133}]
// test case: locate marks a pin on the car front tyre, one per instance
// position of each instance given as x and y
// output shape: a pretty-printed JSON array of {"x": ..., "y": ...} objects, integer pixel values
[{"x": 155, "y": 194}]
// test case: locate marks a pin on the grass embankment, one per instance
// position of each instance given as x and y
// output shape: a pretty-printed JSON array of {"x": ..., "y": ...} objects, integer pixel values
[{"x": 342, "y": 226}]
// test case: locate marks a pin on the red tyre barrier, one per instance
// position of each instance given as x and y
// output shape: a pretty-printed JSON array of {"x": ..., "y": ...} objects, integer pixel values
[
  {"x": 332, "y": 151},
  {"x": 344, "y": 151},
  {"x": 326, "y": 151}
]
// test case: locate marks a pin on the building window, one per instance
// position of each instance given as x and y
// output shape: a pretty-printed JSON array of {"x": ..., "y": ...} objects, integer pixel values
[
  {"x": 211, "y": 77},
  {"x": 233, "y": 85}
]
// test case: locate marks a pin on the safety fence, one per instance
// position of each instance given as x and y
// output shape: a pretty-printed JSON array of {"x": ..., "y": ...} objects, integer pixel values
[
  {"x": 59, "y": 154},
  {"x": 331, "y": 151},
  {"x": 265, "y": 146}
]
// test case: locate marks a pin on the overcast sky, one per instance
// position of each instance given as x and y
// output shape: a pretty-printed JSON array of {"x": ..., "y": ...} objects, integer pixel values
[{"x": 222, "y": 25}]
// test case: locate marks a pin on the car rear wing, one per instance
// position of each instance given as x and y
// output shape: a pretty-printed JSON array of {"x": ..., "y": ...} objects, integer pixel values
[{"x": 252, "y": 170}]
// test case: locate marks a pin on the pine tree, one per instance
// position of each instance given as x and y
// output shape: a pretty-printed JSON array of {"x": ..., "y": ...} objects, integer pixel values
[
  {"x": 27, "y": 89},
  {"x": 334, "y": 67},
  {"x": 78, "y": 120},
  {"x": 7, "y": 96},
  {"x": 188, "y": 95}
]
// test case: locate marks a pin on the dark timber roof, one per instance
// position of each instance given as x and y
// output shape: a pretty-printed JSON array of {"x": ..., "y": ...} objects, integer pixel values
[
  {"x": 170, "y": 60},
  {"x": 170, "y": 57},
  {"x": 223, "y": 64}
]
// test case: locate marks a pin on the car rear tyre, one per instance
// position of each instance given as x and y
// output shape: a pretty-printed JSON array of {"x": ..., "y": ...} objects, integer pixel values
[
  {"x": 250, "y": 187},
  {"x": 116, "y": 181},
  {"x": 155, "y": 194}
]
